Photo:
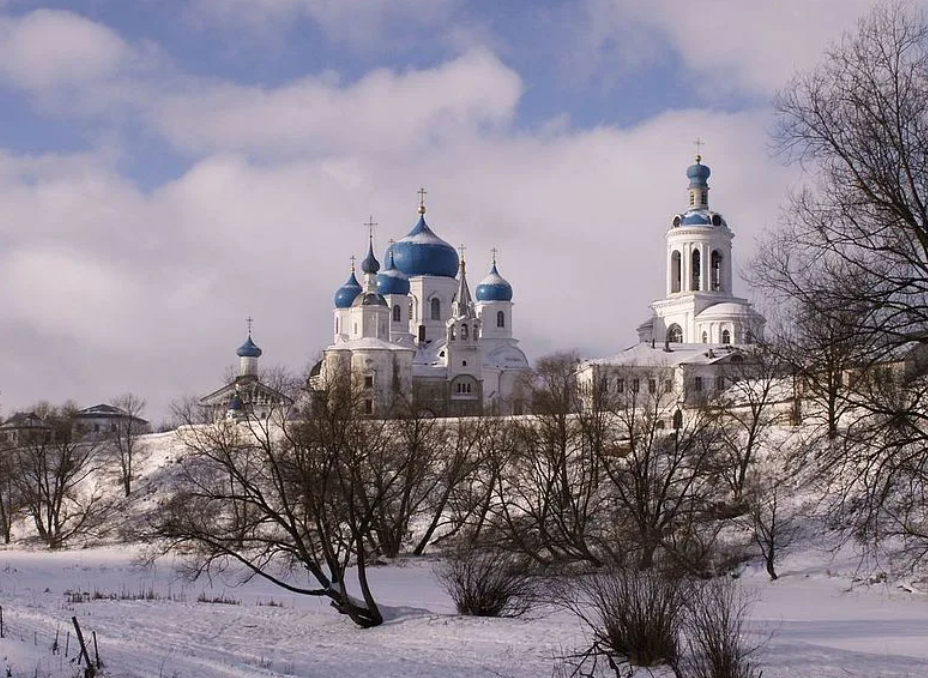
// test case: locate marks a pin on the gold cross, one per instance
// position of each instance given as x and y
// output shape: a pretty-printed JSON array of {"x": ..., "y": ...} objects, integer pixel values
[
  {"x": 462, "y": 249},
  {"x": 370, "y": 226},
  {"x": 249, "y": 320},
  {"x": 353, "y": 259},
  {"x": 699, "y": 144},
  {"x": 422, "y": 194},
  {"x": 494, "y": 251}
]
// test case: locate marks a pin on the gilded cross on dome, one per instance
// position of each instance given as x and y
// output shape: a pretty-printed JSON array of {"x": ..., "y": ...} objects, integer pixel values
[
  {"x": 370, "y": 223},
  {"x": 422, "y": 194},
  {"x": 699, "y": 143}
]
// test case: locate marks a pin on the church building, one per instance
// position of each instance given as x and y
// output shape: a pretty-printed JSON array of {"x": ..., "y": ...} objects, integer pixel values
[
  {"x": 699, "y": 331},
  {"x": 411, "y": 333}
]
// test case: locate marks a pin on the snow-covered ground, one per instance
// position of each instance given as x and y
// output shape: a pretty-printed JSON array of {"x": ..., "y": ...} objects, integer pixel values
[
  {"x": 822, "y": 624},
  {"x": 150, "y": 624}
]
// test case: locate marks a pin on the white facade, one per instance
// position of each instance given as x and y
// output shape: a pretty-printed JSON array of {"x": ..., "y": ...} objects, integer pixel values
[
  {"x": 699, "y": 333},
  {"x": 413, "y": 331},
  {"x": 699, "y": 306}
]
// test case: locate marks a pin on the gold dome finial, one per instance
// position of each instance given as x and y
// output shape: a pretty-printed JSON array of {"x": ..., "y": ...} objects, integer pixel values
[{"x": 422, "y": 194}]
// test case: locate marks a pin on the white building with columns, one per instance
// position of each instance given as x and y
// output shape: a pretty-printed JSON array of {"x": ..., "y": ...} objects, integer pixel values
[
  {"x": 413, "y": 333},
  {"x": 699, "y": 331},
  {"x": 699, "y": 306}
]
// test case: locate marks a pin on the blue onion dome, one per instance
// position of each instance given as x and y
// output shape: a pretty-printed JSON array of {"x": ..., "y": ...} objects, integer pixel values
[
  {"x": 494, "y": 287},
  {"x": 249, "y": 349},
  {"x": 392, "y": 280},
  {"x": 698, "y": 174},
  {"x": 236, "y": 403},
  {"x": 370, "y": 263},
  {"x": 347, "y": 292},
  {"x": 422, "y": 252}
]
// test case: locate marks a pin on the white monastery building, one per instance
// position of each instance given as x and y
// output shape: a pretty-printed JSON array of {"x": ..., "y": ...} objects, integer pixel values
[
  {"x": 699, "y": 329},
  {"x": 411, "y": 333}
]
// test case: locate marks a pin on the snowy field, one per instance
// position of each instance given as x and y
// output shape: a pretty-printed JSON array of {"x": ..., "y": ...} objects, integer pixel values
[{"x": 821, "y": 624}]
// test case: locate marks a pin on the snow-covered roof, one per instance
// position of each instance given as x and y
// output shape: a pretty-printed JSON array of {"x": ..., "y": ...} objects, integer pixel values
[
  {"x": 368, "y": 344},
  {"x": 644, "y": 354},
  {"x": 727, "y": 308}
]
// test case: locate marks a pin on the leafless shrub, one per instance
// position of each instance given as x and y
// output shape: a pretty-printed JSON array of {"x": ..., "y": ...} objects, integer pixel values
[
  {"x": 635, "y": 616},
  {"x": 715, "y": 621},
  {"x": 488, "y": 583}
]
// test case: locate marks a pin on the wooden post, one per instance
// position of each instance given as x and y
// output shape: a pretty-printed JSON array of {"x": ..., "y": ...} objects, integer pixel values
[
  {"x": 96, "y": 653},
  {"x": 89, "y": 672}
]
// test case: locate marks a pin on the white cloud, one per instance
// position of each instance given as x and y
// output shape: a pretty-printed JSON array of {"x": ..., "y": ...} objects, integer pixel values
[
  {"x": 50, "y": 48},
  {"x": 732, "y": 44},
  {"x": 384, "y": 110}
]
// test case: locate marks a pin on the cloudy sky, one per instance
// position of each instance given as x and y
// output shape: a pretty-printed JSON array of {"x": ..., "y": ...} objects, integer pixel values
[{"x": 169, "y": 168}]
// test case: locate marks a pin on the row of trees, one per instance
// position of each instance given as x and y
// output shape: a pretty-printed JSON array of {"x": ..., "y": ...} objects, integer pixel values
[{"x": 588, "y": 478}]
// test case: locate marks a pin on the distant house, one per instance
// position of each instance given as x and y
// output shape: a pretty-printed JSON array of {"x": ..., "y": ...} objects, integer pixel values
[
  {"x": 23, "y": 427},
  {"x": 104, "y": 420}
]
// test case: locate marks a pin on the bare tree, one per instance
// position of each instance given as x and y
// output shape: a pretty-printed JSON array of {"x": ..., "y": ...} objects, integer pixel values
[
  {"x": 549, "y": 502},
  {"x": 746, "y": 412},
  {"x": 859, "y": 119},
  {"x": 853, "y": 257},
  {"x": 55, "y": 479},
  {"x": 10, "y": 498},
  {"x": 321, "y": 493},
  {"x": 660, "y": 476},
  {"x": 125, "y": 438}
]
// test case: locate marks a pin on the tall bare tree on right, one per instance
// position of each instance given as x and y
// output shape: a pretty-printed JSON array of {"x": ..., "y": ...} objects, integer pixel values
[
  {"x": 859, "y": 121},
  {"x": 852, "y": 259}
]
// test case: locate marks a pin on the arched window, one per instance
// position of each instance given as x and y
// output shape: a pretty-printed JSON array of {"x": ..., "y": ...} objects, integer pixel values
[
  {"x": 463, "y": 332},
  {"x": 676, "y": 266},
  {"x": 726, "y": 337},
  {"x": 678, "y": 420},
  {"x": 500, "y": 319},
  {"x": 436, "y": 309},
  {"x": 694, "y": 284},
  {"x": 705, "y": 337},
  {"x": 336, "y": 326},
  {"x": 412, "y": 309},
  {"x": 451, "y": 333},
  {"x": 675, "y": 334},
  {"x": 396, "y": 313},
  {"x": 716, "y": 271}
]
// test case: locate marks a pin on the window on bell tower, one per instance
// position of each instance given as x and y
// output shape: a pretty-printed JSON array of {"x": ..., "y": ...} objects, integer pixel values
[
  {"x": 676, "y": 268},
  {"x": 716, "y": 271}
]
